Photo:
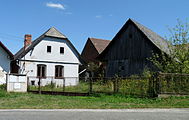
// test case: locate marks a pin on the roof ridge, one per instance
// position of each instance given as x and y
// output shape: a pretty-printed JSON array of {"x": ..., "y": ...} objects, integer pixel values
[
  {"x": 53, "y": 32},
  {"x": 99, "y": 39}
]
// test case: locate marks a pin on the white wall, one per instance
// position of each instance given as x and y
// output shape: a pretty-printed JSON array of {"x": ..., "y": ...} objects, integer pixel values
[
  {"x": 4, "y": 65},
  {"x": 70, "y": 70}
]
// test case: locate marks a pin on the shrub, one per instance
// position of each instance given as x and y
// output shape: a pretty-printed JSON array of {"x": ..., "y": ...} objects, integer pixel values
[{"x": 3, "y": 87}]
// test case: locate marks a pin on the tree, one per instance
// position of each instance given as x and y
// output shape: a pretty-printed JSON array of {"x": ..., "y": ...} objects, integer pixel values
[{"x": 178, "y": 59}]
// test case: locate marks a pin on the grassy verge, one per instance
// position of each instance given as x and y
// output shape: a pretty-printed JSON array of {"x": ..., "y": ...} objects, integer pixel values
[{"x": 99, "y": 101}]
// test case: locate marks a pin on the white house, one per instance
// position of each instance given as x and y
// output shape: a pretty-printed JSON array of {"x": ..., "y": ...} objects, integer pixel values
[
  {"x": 51, "y": 56},
  {"x": 5, "y": 59}
]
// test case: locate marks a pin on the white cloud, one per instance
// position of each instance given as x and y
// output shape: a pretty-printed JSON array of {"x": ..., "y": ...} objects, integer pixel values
[
  {"x": 55, "y": 5},
  {"x": 98, "y": 16}
]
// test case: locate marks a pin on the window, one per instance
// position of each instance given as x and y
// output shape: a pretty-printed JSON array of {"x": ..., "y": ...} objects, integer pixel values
[
  {"x": 130, "y": 36},
  {"x": 61, "y": 50},
  {"x": 49, "y": 49},
  {"x": 41, "y": 70},
  {"x": 59, "y": 70}
]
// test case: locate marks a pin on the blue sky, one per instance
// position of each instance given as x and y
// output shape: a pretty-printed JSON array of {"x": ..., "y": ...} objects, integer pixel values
[{"x": 80, "y": 19}]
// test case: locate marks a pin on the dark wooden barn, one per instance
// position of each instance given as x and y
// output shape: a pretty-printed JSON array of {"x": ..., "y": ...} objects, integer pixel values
[
  {"x": 127, "y": 53},
  {"x": 93, "y": 48}
]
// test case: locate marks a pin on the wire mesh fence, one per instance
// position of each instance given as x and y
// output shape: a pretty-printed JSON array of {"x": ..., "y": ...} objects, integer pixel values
[
  {"x": 66, "y": 84},
  {"x": 129, "y": 86},
  {"x": 173, "y": 83},
  {"x": 161, "y": 83}
]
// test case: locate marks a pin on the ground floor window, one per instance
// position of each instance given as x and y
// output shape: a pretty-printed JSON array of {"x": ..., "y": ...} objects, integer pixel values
[
  {"x": 41, "y": 70},
  {"x": 59, "y": 71}
]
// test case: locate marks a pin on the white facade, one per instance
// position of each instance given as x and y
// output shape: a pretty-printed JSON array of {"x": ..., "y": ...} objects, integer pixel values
[
  {"x": 39, "y": 55},
  {"x": 4, "y": 65}
]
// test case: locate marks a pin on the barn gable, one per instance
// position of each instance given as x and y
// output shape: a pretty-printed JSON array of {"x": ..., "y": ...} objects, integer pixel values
[
  {"x": 151, "y": 37},
  {"x": 127, "y": 53},
  {"x": 93, "y": 48}
]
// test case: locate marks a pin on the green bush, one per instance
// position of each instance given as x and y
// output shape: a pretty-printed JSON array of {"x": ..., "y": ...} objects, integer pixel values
[{"x": 3, "y": 87}]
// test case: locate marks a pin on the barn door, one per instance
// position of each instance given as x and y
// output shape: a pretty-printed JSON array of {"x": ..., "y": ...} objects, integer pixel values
[
  {"x": 123, "y": 70},
  {"x": 112, "y": 68}
]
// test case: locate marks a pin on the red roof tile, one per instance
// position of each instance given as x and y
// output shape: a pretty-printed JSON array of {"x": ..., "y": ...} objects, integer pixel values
[{"x": 100, "y": 44}]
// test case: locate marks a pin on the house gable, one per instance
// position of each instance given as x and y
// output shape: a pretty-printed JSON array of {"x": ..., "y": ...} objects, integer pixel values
[
  {"x": 5, "y": 58},
  {"x": 52, "y": 35},
  {"x": 40, "y": 53},
  {"x": 6, "y": 50}
]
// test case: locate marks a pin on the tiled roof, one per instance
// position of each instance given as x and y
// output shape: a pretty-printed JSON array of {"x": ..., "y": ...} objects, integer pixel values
[{"x": 99, "y": 44}]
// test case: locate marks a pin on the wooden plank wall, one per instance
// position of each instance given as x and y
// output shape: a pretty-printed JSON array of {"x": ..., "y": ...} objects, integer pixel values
[{"x": 131, "y": 49}]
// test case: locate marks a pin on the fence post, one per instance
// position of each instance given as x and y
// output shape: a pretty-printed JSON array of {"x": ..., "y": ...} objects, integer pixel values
[
  {"x": 7, "y": 81},
  {"x": 151, "y": 88},
  {"x": 28, "y": 86},
  {"x": 90, "y": 85},
  {"x": 158, "y": 83},
  {"x": 39, "y": 88},
  {"x": 64, "y": 85},
  {"x": 116, "y": 85}
]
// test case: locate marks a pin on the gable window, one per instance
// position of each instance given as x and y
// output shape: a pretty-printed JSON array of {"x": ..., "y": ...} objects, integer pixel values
[
  {"x": 41, "y": 70},
  {"x": 130, "y": 36},
  {"x": 61, "y": 50},
  {"x": 59, "y": 70},
  {"x": 49, "y": 49}
]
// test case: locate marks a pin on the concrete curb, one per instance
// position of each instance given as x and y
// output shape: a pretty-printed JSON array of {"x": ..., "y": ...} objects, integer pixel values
[{"x": 176, "y": 110}]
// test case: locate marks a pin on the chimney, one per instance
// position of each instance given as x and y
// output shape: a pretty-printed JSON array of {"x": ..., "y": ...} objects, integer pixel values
[{"x": 27, "y": 40}]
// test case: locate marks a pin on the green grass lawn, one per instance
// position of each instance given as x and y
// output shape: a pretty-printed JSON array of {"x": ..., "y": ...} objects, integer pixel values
[{"x": 98, "y": 101}]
